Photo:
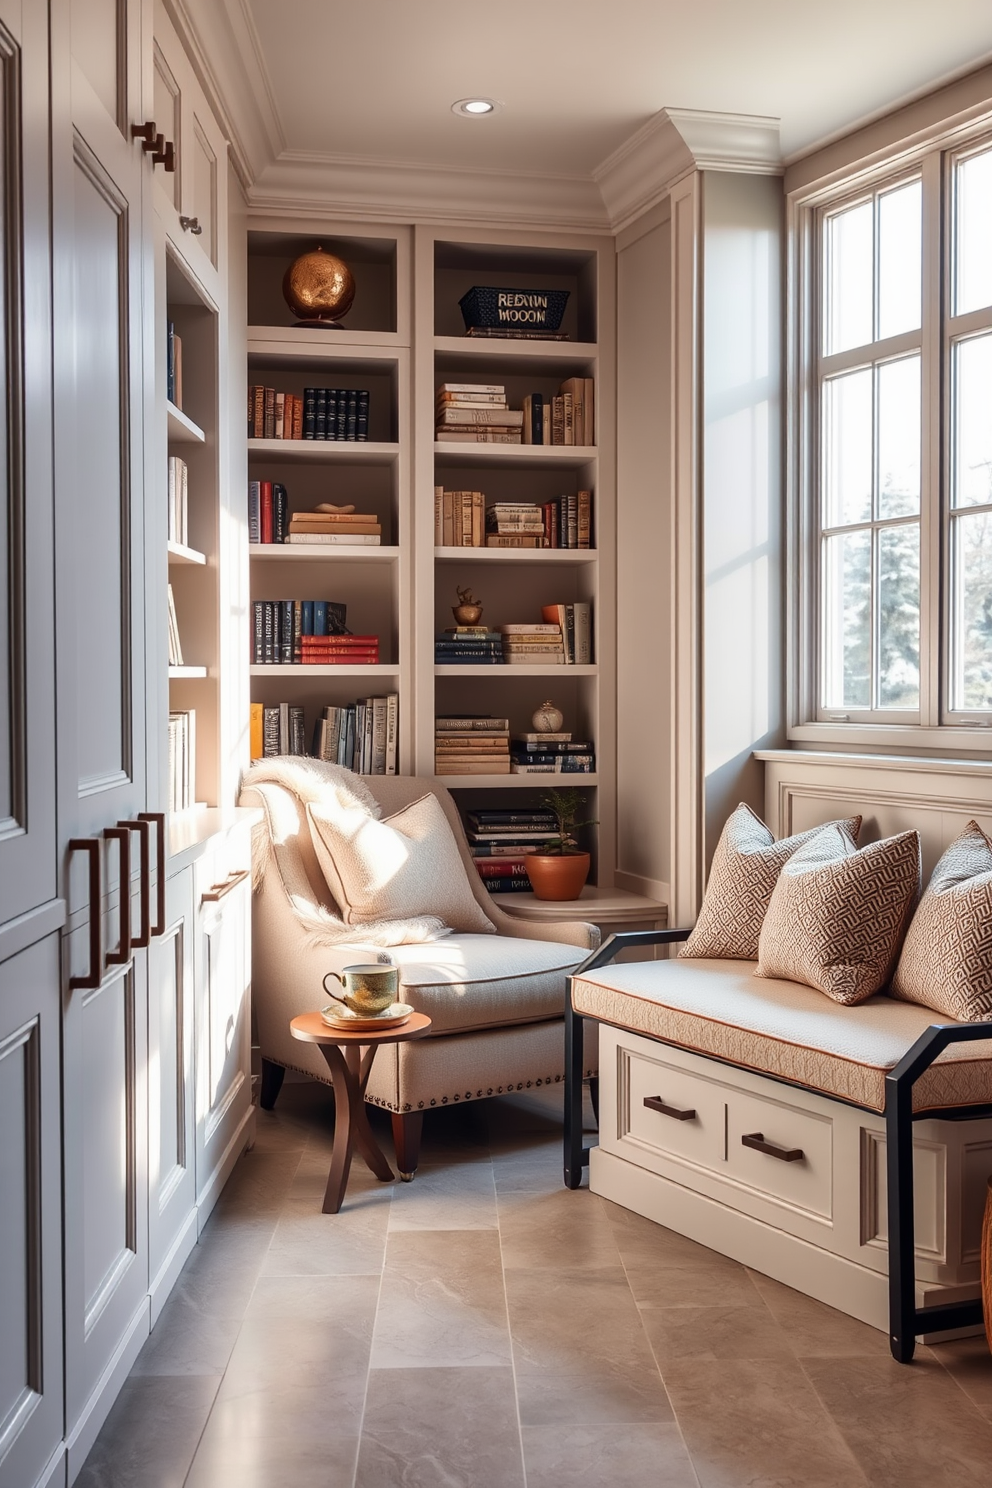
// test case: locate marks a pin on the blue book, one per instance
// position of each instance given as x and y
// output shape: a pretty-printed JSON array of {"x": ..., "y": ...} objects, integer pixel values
[
  {"x": 319, "y": 617},
  {"x": 307, "y": 618}
]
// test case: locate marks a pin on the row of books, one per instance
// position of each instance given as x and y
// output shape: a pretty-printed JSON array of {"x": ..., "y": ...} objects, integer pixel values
[
  {"x": 271, "y": 521},
  {"x": 321, "y": 413},
  {"x": 562, "y": 637},
  {"x": 501, "y": 842},
  {"x": 568, "y": 418},
  {"x": 175, "y": 644},
  {"x": 483, "y": 746},
  {"x": 361, "y": 736},
  {"x": 181, "y": 766},
  {"x": 178, "y": 501},
  {"x": 174, "y": 367},
  {"x": 506, "y": 333},
  {"x": 462, "y": 520},
  {"x": 307, "y": 631}
]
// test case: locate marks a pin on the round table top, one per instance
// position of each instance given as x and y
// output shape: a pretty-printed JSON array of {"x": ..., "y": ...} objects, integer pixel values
[{"x": 311, "y": 1028}]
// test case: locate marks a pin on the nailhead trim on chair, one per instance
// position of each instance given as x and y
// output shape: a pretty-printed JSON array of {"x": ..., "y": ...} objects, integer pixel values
[{"x": 444, "y": 1099}]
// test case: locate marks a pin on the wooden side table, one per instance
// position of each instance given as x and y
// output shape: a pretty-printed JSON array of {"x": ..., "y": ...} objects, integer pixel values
[{"x": 350, "y": 1070}]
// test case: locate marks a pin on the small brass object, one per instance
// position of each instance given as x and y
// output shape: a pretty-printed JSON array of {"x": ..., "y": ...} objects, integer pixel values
[{"x": 320, "y": 289}]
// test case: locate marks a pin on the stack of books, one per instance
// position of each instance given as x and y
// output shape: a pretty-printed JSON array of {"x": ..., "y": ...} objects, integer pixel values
[
  {"x": 279, "y": 626},
  {"x": 471, "y": 746},
  {"x": 514, "y": 524},
  {"x": 459, "y": 518},
  {"x": 326, "y": 525},
  {"x": 468, "y": 645},
  {"x": 344, "y": 650},
  {"x": 501, "y": 841},
  {"x": 274, "y": 415},
  {"x": 182, "y": 760},
  {"x": 532, "y": 645},
  {"x": 575, "y": 622},
  {"x": 175, "y": 644},
  {"x": 506, "y": 333},
  {"x": 476, "y": 413},
  {"x": 178, "y": 501},
  {"x": 566, "y": 418},
  {"x": 360, "y": 736},
  {"x": 568, "y": 521},
  {"x": 174, "y": 367},
  {"x": 551, "y": 754}
]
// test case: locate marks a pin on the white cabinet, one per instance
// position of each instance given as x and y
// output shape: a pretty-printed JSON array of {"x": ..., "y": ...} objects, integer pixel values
[
  {"x": 171, "y": 1138},
  {"x": 224, "y": 1110}
]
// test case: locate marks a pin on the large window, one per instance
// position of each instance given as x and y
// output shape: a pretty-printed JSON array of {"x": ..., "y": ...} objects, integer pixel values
[{"x": 897, "y": 445}]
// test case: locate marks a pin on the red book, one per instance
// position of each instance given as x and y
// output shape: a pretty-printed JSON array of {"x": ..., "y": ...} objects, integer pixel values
[{"x": 265, "y": 510}]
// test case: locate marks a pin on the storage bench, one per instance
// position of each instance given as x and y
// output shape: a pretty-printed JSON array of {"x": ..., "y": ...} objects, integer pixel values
[{"x": 844, "y": 1151}]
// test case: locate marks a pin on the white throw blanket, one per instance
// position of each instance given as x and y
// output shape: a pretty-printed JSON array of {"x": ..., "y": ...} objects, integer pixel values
[{"x": 274, "y": 843}]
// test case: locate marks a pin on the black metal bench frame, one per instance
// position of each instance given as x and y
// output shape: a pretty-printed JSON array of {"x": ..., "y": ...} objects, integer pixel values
[{"x": 906, "y": 1320}]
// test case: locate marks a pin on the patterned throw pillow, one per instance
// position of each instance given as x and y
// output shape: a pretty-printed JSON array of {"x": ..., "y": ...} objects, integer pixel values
[
  {"x": 745, "y": 866},
  {"x": 946, "y": 962},
  {"x": 838, "y": 914}
]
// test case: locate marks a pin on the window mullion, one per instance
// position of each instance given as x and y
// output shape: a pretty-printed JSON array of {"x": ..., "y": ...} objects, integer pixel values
[{"x": 932, "y": 452}]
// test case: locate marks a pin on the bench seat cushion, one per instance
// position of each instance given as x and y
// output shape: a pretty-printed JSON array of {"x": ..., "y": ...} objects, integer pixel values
[{"x": 783, "y": 1029}]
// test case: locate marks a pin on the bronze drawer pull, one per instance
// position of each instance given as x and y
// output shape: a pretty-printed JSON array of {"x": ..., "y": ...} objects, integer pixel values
[
  {"x": 122, "y": 955},
  {"x": 92, "y": 847},
  {"x": 655, "y": 1103},
  {"x": 784, "y": 1154},
  {"x": 143, "y": 828},
  {"x": 219, "y": 890},
  {"x": 158, "y": 817}
]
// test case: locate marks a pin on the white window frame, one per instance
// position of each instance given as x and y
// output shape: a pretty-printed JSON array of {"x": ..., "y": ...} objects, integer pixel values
[{"x": 931, "y": 157}]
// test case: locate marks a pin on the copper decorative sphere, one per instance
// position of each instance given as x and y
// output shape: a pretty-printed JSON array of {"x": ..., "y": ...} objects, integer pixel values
[{"x": 319, "y": 288}]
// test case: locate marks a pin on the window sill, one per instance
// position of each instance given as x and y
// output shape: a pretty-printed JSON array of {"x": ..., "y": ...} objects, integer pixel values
[{"x": 895, "y": 738}]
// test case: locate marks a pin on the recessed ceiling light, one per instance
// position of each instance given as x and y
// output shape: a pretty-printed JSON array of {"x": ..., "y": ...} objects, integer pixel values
[{"x": 476, "y": 108}]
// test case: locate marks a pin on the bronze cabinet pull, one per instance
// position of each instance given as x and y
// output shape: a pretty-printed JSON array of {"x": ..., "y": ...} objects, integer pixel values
[
  {"x": 92, "y": 846},
  {"x": 191, "y": 225},
  {"x": 143, "y": 828},
  {"x": 122, "y": 955},
  {"x": 756, "y": 1140},
  {"x": 655, "y": 1103},
  {"x": 158, "y": 817},
  {"x": 146, "y": 133},
  {"x": 219, "y": 890},
  {"x": 165, "y": 153}
]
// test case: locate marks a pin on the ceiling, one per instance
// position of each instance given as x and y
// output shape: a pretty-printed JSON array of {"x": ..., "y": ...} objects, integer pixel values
[{"x": 371, "y": 82}]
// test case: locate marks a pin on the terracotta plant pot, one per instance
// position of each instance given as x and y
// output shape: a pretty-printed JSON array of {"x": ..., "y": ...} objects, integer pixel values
[{"x": 557, "y": 876}]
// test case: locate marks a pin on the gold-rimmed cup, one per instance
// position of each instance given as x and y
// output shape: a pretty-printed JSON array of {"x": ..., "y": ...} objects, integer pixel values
[{"x": 367, "y": 990}]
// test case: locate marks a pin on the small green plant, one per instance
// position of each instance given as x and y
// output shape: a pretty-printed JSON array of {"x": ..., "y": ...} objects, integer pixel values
[{"x": 565, "y": 804}]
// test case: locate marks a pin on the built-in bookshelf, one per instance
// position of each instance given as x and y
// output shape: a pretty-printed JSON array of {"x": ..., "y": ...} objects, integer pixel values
[
  {"x": 188, "y": 353},
  {"x": 402, "y": 340}
]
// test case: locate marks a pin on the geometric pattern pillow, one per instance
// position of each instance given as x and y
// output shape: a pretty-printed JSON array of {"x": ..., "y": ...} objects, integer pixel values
[
  {"x": 746, "y": 865},
  {"x": 838, "y": 914},
  {"x": 946, "y": 962}
]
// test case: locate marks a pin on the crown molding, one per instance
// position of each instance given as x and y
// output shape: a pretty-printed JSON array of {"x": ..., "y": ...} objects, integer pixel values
[
  {"x": 301, "y": 184},
  {"x": 642, "y": 170}
]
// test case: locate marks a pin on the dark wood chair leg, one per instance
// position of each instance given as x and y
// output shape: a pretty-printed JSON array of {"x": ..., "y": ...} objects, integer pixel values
[
  {"x": 407, "y": 1127},
  {"x": 594, "y": 1095},
  {"x": 272, "y": 1078}
]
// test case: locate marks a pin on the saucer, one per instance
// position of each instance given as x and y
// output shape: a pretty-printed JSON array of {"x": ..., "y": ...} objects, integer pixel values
[{"x": 337, "y": 1015}]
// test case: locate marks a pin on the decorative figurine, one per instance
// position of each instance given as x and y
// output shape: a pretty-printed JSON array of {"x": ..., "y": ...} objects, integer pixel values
[
  {"x": 548, "y": 719},
  {"x": 467, "y": 611},
  {"x": 320, "y": 289}
]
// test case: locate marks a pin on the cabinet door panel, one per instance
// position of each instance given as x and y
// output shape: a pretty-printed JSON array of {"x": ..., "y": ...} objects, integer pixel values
[
  {"x": 30, "y": 1215},
  {"x": 106, "y": 1260},
  {"x": 204, "y": 187},
  {"x": 167, "y": 112},
  {"x": 27, "y": 733},
  {"x": 99, "y": 45},
  {"x": 171, "y": 1140},
  {"x": 223, "y": 1034}
]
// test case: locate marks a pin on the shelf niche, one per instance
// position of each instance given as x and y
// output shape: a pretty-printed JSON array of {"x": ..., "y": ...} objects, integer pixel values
[
  {"x": 371, "y": 260},
  {"x": 459, "y": 266}
]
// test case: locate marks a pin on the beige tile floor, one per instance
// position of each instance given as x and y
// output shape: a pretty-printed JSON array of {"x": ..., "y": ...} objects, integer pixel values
[{"x": 482, "y": 1328}]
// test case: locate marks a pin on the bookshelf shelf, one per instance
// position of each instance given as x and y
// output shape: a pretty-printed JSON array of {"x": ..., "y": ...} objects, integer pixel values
[
  {"x": 187, "y": 673},
  {"x": 180, "y": 553},
  {"x": 547, "y": 358},
  {"x": 516, "y": 555},
  {"x": 363, "y": 351},
  {"x": 503, "y": 671},
  {"x": 303, "y": 671},
  {"x": 182, "y": 429},
  {"x": 343, "y": 452},
  {"x": 513, "y": 782},
  {"x": 521, "y": 456},
  {"x": 322, "y": 553}
]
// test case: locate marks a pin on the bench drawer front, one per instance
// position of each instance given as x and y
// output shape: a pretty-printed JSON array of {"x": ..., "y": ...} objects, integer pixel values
[
  {"x": 671, "y": 1132},
  {"x": 803, "y": 1181}
]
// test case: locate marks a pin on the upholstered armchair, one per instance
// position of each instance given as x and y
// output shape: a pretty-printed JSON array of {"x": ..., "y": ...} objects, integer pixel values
[{"x": 496, "y": 1000}]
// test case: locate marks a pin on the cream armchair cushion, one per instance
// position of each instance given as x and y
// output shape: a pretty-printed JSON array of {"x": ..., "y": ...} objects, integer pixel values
[{"x": 399, "y": 868}]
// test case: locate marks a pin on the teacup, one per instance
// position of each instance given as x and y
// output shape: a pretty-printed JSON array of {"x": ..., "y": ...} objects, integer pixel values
[{"x": 367, "y": 989}]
